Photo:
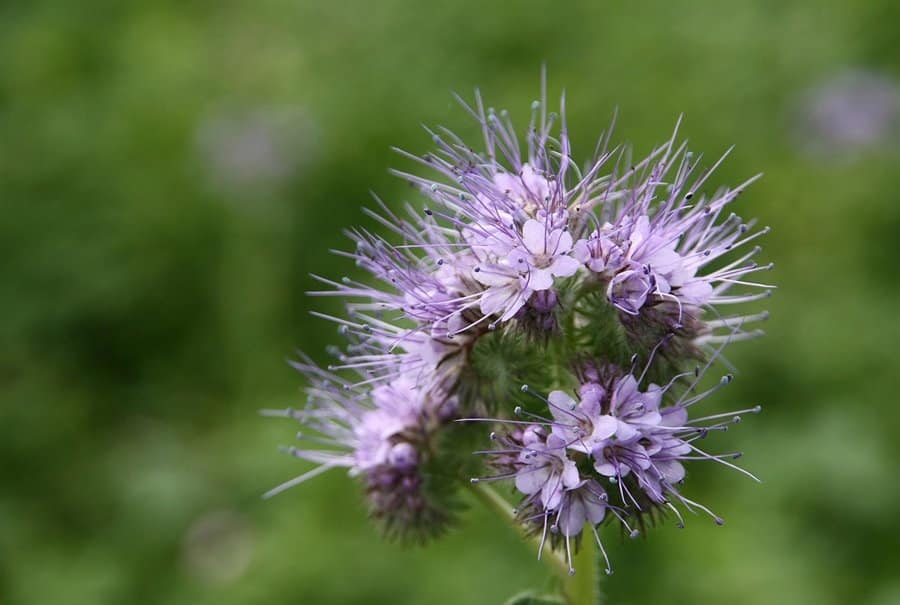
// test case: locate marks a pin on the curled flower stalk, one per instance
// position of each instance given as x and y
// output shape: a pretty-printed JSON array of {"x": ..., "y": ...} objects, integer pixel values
[{"x": 607, "y": 288}]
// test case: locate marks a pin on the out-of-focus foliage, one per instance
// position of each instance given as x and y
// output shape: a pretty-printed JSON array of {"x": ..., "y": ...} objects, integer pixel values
[{"x": 170, "y": 172}]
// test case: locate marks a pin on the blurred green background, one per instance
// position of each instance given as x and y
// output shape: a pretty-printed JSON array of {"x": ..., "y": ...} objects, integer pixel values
[{"x": 170, "y": 173}]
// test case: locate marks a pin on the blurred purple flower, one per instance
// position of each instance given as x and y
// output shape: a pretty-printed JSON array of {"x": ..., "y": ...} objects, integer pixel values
[
  {"x": 848, "y": 112},
  {"x": 254, "y": 150}
]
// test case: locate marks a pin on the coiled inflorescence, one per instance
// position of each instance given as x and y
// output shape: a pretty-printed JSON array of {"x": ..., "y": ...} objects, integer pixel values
[{"x": 603, "y": 286}]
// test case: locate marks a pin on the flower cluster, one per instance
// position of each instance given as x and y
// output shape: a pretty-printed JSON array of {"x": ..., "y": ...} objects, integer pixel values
[
  {"x": 610, "y": 433},
  {"x": 525, "y": 267},
  {"x": 380, "y": 434}
]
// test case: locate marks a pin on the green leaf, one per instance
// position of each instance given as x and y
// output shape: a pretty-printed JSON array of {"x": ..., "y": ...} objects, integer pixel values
[{"x": 532, "y": 598}]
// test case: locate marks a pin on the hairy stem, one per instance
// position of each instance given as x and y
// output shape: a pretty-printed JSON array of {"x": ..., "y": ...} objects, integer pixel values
[
  {"x": 584, "y": 587},
  {"x": 500, "y": 505}
]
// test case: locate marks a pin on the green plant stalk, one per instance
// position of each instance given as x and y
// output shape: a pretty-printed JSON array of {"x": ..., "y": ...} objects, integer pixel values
[
  {"x": 584, "y": 587},
  {"x": 499, "y": 504}
]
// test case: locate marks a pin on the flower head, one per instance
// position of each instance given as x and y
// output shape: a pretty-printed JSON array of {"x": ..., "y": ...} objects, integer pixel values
[
  {"x": 526, "y": 267},
  {"x": 612, "y": 433},
  {"x": 379, "y": 435}
]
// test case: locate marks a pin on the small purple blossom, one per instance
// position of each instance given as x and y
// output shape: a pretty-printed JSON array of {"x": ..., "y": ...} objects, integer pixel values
[
  {"x": 544, "y": 255},
  {"x": 397, "y": 408},
  {"x": 629, "y": 290},
  {"x": 514, "y": 271},
  {"x": 584, "y": 505},
  {"x": 546, "y": 472}
]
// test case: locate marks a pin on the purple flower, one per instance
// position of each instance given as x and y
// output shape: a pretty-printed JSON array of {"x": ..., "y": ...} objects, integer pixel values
[
  {"x": 529, "y": 189},
  {"x": 617, "y": 432},
  {"x": 850, "y": 111},
  {"x": 581, "y": 424},
  {"x": 543, "y": 255},
  {"x": 514, "y": 271},
  {"x": 525, "y": 266},
  {"x": 546, "y": 470},
  {"x": 513, "y": 221},
  {"x": 380, "y": 435},
  {"x": 583, "y": 505},
  {"x": 556, "y": 497},
  {"x": 353, "y": 428},
  {"x": 653, "y": 246},
  {"x": 397, "y": 408},
  {"x": 629, "y": 290}
]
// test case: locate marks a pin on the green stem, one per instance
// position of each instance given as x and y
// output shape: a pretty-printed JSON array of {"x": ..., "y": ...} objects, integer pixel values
[
  {"x": 499, "y": 504},
  {"x": 584, "y": 587}
]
